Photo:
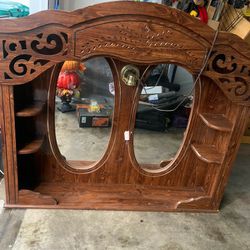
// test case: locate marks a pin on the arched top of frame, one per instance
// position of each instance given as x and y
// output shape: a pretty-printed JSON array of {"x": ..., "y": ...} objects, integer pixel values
[
  {"x": 102, "y": 11},
  {"x": 139, "y": 33}
]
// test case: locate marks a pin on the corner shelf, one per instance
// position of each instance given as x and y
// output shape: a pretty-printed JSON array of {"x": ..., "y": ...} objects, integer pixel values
[
  {"x": 33, "y": 109},
  {"x": 217, "y": 122},
  {"x": 31, "y": 147},
  {"x": 207, "y": 153}
]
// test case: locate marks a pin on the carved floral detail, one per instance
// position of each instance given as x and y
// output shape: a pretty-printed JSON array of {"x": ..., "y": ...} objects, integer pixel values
[{"x": 141, "y": 35}]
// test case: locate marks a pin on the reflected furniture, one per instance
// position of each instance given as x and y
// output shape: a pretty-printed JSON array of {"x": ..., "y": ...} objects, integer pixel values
[{"x": 32, "y": 51}]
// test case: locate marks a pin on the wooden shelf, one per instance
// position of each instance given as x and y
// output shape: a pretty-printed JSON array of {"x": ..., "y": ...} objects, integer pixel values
[
  {"x": 217, "y": 121},
  {"x": 32, "y": 110},
  {"x": 31, "y": 147},
  {"x": 207, "y": 153},
  {"x": 26, "y": 196}
]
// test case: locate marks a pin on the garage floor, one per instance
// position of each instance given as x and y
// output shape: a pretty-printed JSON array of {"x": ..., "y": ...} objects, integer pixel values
[
  {"x": 74, "y": 229},
  {"x": 89, "y": 144}
]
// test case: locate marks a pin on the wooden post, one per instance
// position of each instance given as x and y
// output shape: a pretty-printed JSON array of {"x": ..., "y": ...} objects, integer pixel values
[{"x": 7, "y": 121}]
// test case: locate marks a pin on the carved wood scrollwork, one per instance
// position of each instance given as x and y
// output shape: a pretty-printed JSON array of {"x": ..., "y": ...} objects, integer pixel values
[
  {"x": 232, "y": 75},
  {"x": 29, "y": 56},
  {"x": 144, "y": 42}
]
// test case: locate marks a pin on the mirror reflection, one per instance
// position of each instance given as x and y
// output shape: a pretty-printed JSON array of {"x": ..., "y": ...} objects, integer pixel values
[
  {"x": 162, "y": 115},
  {"x": 84, "y": 107}
]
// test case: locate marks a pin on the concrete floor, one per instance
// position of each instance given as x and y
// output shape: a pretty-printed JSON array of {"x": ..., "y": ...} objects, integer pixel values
[
  {"x": 90, "y": 144},
  {"x": 94, "y": 230}
]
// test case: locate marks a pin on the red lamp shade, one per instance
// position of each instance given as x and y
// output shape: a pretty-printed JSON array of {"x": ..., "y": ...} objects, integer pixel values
[
  {"x": 73, "y": 66},
  {"x": 68, "y": 80}
]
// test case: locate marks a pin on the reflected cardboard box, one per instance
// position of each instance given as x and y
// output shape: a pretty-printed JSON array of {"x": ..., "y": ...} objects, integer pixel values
[{"x": 89, "y": 117}]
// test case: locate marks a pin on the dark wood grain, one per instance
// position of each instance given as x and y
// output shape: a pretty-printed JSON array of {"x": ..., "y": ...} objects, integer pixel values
[
  {"x": 27, "y": 196},
  {"x": 31, "y": 147},
  {"x": 32, "y": 51},
  {"x": 208, "y": 153},
  {"x": 217, "y": 121},
  {"x": 33, "y": 109},
  {"x": 9, "y": 143}
]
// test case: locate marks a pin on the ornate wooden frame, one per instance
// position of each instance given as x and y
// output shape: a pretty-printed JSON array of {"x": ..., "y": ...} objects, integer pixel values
[{"x": 32, "y": 50}]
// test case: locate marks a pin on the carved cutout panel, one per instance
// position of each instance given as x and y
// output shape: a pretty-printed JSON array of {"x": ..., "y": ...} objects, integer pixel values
[
  {"x": 24, "y": 56},
  {"x": 231, "y": 71}
]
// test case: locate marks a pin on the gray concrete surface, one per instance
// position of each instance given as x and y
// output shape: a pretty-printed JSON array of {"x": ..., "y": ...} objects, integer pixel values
[
  {"x": 94, "y": 230},
  {"x": 90, "y": 144}
]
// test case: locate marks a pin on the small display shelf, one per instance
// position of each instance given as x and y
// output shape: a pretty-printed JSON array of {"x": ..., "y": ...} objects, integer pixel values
[
  {"x": 207, "y": 153},
  {"x": 31, "y": 147},
  {"x": 33, "y": 109},
  {"x": 217, "y": 122}
]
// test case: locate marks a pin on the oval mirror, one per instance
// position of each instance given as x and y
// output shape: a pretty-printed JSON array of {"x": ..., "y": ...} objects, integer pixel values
[
  {"x": 83, "y": 113},
  {"x": 162, "y": 115}
]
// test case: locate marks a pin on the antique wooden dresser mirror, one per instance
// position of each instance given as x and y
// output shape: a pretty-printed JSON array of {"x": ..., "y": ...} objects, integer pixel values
[{"x": 133, "y": 37}]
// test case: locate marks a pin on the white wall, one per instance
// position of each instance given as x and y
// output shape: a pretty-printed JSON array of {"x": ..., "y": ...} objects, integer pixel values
[
  {"x": 70, "y": 5},
  {"x": 34, "y": 5},
  {"x": 25, "y": 2},
  {"x": 38, "y": 5},
  {"x": 78, "y": 4}
]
